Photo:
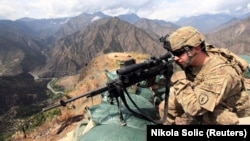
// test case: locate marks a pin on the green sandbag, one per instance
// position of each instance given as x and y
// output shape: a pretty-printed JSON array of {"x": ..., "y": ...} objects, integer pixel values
[
  {"x": 247, "y": 58},
  {"x": 107, "y": 121},
  {"x": 146, "y": 93},
  {"x": 113, "y": 132},
  {"x": 106, "y": 113}
]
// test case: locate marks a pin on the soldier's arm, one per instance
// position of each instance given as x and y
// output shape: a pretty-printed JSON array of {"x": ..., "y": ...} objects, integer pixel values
[{"x": 197, "y": 100}]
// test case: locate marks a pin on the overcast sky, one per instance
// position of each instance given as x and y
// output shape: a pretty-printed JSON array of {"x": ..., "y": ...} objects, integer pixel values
[{"x": 169, "y": 10}]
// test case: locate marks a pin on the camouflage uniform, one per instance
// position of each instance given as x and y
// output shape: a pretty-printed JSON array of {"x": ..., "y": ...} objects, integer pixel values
[{"x": 211, "y": 94}]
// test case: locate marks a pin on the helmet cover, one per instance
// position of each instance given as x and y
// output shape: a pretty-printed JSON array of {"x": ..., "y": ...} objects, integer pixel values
[{"x": 185, "y": 36}]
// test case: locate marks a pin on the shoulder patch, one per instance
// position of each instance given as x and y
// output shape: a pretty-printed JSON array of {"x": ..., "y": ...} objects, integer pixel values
[
  {"x": 203, "y": 98},
  {"x": 206, "y": 99}
]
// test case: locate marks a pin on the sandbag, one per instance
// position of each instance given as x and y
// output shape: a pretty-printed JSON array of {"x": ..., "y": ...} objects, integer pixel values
[
  {"x": 113, "y": 132},
  {"x": 107, "y": 125},
  {"x": 247, "y": 72}
]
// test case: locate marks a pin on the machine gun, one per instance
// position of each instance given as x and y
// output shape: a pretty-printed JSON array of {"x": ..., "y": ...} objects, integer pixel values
[{"x": 128, "y": 76}]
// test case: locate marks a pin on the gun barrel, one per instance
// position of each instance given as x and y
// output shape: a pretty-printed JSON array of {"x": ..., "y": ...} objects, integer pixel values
[
  {"x": 89, "y": 94},
  {"x": 51, "y": 107}
]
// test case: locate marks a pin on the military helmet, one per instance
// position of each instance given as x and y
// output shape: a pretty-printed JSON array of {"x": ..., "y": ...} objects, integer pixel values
[{"x": 185, "y": 36}]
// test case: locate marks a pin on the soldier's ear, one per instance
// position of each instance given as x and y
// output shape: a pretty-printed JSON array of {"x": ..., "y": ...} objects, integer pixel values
[{"x": 197, "y": 49}]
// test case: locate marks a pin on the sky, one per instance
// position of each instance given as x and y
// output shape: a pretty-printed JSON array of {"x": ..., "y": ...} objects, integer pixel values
[{"x": 168, "y": 10}]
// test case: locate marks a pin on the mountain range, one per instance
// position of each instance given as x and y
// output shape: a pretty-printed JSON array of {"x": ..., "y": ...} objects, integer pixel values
[{"x": 58, "y": 47}]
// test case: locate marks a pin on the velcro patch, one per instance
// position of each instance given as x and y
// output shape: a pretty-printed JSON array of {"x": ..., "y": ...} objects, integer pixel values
[{"x": 213, "y": 85}]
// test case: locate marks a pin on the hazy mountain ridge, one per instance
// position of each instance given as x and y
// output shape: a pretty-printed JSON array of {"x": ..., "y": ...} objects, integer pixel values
[
  {"x": 44, "y": 28},
  {"x": 104, "y": 36},
  {"x": 233, "y": 36},
  {"x": 226, "y": 25},
  {"x": 131, "y": 18},
  {"x": 76, "y": 23},
  {"x": 205, "y": 23},
  {"x": 156, "y": 27},
  {"x": 20, "y": 50}
]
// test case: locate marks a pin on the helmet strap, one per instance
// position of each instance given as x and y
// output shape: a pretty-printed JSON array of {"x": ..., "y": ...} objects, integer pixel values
[{"x": 190, "y": 56}]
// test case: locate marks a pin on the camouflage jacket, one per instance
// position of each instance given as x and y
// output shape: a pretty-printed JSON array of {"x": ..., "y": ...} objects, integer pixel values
[{"x": 217, "y": 83}]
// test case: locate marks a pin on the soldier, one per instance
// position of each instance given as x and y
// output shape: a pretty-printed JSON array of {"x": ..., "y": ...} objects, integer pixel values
[{"x": 209, "y": 88}]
